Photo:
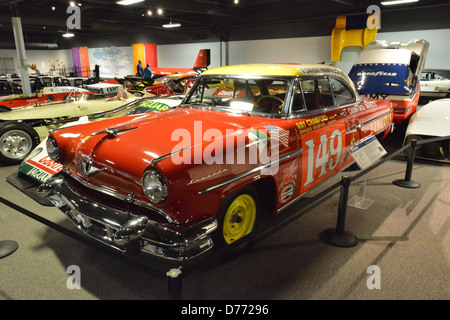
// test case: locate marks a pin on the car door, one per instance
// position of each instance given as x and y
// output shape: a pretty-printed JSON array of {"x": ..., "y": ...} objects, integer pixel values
[{"x": 322, "y": 126}]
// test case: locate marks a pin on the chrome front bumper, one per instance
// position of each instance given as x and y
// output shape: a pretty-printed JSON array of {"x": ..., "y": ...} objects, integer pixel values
[{"x": 127, "y": 232}]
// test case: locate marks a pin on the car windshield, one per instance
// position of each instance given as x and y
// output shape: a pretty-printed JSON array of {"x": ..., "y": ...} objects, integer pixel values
[
  {"x": 435, "y": 75},
  {"x": 259, "y": 95},
  {"x": 166, "y": 79},
  {"x": 76, "y": 96},
  {"x": 80, "y": 96}
]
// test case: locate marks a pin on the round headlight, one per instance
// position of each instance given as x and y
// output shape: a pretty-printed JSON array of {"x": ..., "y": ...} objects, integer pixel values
[
  {"x": 154, "y": 186},
  {"x": 52, "y": 149}
]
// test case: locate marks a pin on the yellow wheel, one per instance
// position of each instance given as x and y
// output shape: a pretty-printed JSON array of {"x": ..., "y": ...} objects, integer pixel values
[
  {"x": 239, "y": 218},
  {"x": 239, "y": 215}
]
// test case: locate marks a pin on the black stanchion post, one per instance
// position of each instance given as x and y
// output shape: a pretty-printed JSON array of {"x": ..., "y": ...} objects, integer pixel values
[
  {"x": 174, "y": 281},
  {"x": 339, "y": 236},
  {"x": 407, "y": 182},
  {"x": 7, "y": 247}
]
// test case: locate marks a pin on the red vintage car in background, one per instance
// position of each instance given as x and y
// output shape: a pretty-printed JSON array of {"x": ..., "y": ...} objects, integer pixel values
[
  {"x": 247, "y": 141},
  {"x": 48, "y": 95},
  {"x": 172, "y": 84}
]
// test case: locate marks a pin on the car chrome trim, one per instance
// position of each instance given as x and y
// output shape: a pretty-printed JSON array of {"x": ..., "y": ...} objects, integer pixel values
[
  {"x": 368, "y": 122},
  {"x": 112, "y": 132},
  {"x": 122, "y": 197},
  {"x": 88, "y": 168},
  {"x": 156, "y": 160},
  {"x": 127, "y": 232},
  {"x": 249, "y": 172},
  {"x": 304, "y": 112}
]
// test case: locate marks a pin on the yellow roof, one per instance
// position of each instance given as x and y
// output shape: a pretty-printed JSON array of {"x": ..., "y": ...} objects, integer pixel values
[{"x": 274, "y": 70}]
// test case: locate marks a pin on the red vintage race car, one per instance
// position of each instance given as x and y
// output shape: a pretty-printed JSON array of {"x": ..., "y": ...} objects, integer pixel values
[
  {"x": 171, "y": 84},
  {"x": 49, "y": 94},
  {"x": 246, "y": 141}
]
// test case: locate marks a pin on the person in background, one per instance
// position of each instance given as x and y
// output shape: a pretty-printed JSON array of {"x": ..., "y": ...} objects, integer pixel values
[
  {"x": 148, "y": 74},
  {"x": 97, "y": 73},
  {"x": 140, "y": 69}
]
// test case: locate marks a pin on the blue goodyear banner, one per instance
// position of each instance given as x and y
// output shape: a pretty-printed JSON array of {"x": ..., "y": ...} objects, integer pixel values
[{"x": 382, "y": 78}]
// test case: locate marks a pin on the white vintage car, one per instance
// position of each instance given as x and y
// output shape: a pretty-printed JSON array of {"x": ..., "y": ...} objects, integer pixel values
[
  {"x": 430, "y": 121},
  {"x": 435, "y": 84}
]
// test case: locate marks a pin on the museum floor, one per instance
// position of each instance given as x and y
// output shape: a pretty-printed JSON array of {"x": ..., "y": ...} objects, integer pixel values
[{"x": 405, "y": 233}]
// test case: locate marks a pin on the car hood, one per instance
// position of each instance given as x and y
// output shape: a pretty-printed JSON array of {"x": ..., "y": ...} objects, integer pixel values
[
  {"x": 122, "y": 157},
  {"x": 32, "y": 112},
  {"x": 65, "y": 109},
  {"x": 433, "y": 119}
]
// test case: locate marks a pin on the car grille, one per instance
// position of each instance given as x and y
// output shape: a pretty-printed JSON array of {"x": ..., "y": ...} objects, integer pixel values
[{"x": 114, "y": 202}]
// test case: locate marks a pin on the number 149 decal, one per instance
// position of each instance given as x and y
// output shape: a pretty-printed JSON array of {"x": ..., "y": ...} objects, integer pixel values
[{"x": 327, "y": 156}]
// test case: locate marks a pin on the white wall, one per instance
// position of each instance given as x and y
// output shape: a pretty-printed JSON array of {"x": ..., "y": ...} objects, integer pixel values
[
  {"x": 42, "y": 58},
  {"x": 438, "y": 53},
  {"x": 6, "y": 53},
  {"x": 184, "y": 55},
  {"x": 306, "y": 50},
  {"x": 318, "y": 49}
]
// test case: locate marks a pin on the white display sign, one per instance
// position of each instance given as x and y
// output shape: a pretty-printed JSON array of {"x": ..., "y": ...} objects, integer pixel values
[{"x": 367, "y": 151}]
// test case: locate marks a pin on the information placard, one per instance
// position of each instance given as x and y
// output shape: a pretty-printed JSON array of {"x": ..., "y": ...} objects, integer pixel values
[{"x": 367, "y": 151}]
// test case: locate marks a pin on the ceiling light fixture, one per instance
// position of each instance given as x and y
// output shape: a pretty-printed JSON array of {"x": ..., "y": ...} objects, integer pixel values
[
  {"x": 160, "y": 11},
  {"x": 68, "y": 35},
  {"x": 393, "y": 2},
  {"x": 149, "y": 12},
  {"x": 171, "y": 25},
  {"x": 128, "y": 2}
]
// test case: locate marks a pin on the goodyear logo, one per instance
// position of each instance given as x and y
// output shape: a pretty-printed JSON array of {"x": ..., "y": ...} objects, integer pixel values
[{"x": 377, "y": 74}]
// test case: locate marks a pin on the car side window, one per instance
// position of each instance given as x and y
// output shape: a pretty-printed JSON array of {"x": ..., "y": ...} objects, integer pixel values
[
  {"x": 317, "y": 93},
  {"x": 342, "y": 95},
  {"x": 297, "y": 101}
]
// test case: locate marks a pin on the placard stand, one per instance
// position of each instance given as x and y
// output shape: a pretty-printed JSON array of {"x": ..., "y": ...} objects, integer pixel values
[
  {"x": 174, "y": 283},
  {"x": 339, "y": 236},
  {"x": 7, "y": 247},
  {"x": 407, "y": 182},
  {"x": 359, "y": 199}
]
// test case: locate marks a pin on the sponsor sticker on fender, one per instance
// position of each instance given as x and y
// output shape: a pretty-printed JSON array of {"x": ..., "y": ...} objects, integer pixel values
[
  {"x": 381, "y": 123},
  {"x": 287, "y": 186},
  {"x": 158, "y": 106},
  {"x": 40, "y": 168},
  {"x": 286, "y": 193}
]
